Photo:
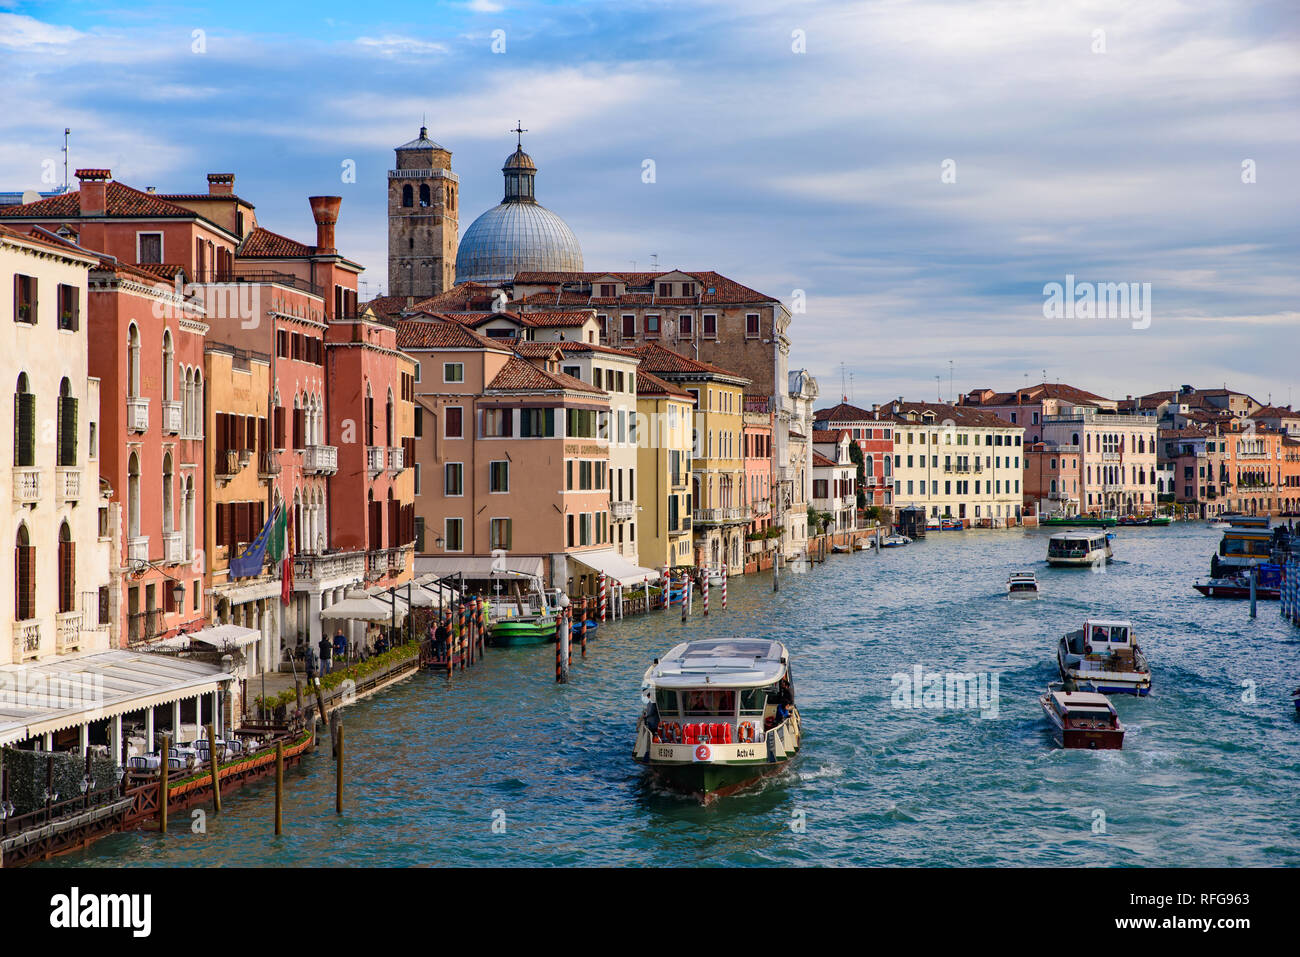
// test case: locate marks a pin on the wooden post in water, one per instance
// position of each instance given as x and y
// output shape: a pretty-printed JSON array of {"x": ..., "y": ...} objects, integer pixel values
[
  {"x": 165, "y": 766},
  {"x": 1254, "y": 576},
  {"x": 297, "y": 688},
  {"x": 338, "y": 769},
  {"x": 216, "y": 770},
  {"x": 279, "y": 787}
]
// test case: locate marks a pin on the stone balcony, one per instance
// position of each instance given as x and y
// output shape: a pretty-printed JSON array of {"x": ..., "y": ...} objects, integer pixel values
[
  {"x": 137, "y": 414},
  {"x": 622, "y": 510},
  {"x": 761, "y": 508},
  {"x": 374, "y": 460},
  {"x": 67, "y": 628},
  {"x": 320, "y": 459},
  {"x": 268, "y": 464},
  {"x": 27, "y": 640},
  {"x": 309, "y": 567},
  {"x": 1110, "y": 456},
  {"x": 396, "y": 459},
  {"x": 722, "y": 516},
  {"x": 67, "y": 484},
  {"x": 137, "y": 549},
  {"x": 27, "y": 485},
  {"x": 171, "y": 417},
  {"x": 173, "y": 548}
]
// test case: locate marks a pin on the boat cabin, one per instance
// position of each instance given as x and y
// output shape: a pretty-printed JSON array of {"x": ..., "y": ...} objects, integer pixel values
[
  {"x": 1022, "y": 583},
  {"x": 721, "y": 691},
  {"x": 1077, "y": 544},
  {"x": 1084, "y": 710},
  {"x": 1103, "y": 637}
]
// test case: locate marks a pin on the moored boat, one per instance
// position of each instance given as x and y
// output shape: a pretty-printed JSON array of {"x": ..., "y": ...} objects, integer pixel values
[
  {"x": 894, "y": 541},
  {"x": 1082, "y": 719},
  {"x": 1238, "y": 586},
  {"x": 523, "y": 619},
  {"x": 719, "y": 715},
  {"x": 1104, "y": 656},
  {"x": 1079, "y": 548},
  {"x": 1087, "y": 521},
  {"x": 1022, "y": 585}
]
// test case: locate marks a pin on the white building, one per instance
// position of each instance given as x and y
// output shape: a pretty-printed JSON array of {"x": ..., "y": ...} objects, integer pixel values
[
  {"x": 56, "y": 529},
  {"x": 834, "y": 480}
]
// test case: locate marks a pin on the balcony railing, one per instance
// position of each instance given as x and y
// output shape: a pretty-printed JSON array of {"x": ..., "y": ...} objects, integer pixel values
[
  {"x": 1059, "y": 496},
  {"x": 227, "y": 464},
  {"x": 374, "y": 459},
  {"x": 622, "y": 510},
  {"x": 268, "y": 464},
  {"x": 173, "y": 548},
  {"x": 137, "y": 414},
  {"x": 320, "y": 459},
  {"x": 171, "y": 417},
  {"x": 137, "y": 549},
  {"x": 721, "y": 516},
  {"x": 27, "y": 485},
  {"x": 144, "y": 625},
  {"x": 1110, "y": 456},
  {"x": 321, "y": 567},
  {"x": 27, "y": 639},
  {"x": 67, "y": 484},
  {"x": 67, "y": 631},
  {"x": 761, "y": 508},
  {"x": 396, "y": 459}
]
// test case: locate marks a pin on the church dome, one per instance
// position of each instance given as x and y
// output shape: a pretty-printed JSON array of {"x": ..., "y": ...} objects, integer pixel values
[{"x": 517, "y": 235}]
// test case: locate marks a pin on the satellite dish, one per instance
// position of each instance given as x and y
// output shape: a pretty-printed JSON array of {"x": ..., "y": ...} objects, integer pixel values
[{"x": 30, "y": 196}]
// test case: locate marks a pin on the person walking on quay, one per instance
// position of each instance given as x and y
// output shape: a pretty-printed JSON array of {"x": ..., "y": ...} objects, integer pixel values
[
  {"x": 441, "y": 637},
  {"x": 340, "y": 645},
  {"x": 325, "y": 653}
]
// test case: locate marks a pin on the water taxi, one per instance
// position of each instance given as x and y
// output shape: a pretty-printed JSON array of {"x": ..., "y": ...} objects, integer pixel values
[
  {"x": 1104, "y": 656},
  {"x": 719, "y": 715},
  {"x": 1022, "y": 585},
  {"x": 1158, "y": 520},
  {"x": 1238, "y": 586},
  {"x": 523, "y": 618},
  {"x": 1078, "y": 548},
  {"x": 1082, "y": 719}
]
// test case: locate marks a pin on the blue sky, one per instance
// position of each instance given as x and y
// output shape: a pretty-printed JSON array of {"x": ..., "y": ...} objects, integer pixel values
[{"x": 1113, "y": 157}]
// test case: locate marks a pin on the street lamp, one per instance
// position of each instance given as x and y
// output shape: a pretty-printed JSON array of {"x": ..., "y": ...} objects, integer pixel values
[{"x": 140, "y": 566}]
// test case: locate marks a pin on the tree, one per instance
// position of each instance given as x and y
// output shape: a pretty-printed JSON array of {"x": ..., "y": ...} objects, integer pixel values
[{"x": 855, "y": 454}]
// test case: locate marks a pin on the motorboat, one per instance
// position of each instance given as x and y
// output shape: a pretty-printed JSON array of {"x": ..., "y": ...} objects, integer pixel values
[
  {"x": 719, "y": 714},
  {"x": 1084, "y": 547},
  {"x": 894, "y": 541},
  {"x": 1104, "y": 656},
  {"x": 1238, "y": 586},
  {"x": 1022, "y": 585},
  {"x": 1082, "y": 719},
  {"x": 524, "y": 617}
]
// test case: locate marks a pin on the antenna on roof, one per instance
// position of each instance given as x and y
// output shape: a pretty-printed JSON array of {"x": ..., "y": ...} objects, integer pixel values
[
  {"x": 654, "y": 262},
  {"x": 67, "y": 131}
]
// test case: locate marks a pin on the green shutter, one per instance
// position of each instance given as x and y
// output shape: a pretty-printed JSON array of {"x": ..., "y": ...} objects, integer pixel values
[
  {"x": 67, "y": 430},
  {"x": 25, "y": 422}
]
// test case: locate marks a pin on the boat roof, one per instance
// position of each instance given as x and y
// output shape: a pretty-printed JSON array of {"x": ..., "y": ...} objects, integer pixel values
[
  {"x": 1108, "y": 622},
  {"x": 1082, "y": 700},
  {"x": 723, "y": 662},
  {"x": 1026, "y": 576},
  {"x": 1080, "y": 533}
]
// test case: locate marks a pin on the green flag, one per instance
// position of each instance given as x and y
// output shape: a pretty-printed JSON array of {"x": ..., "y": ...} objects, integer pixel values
[{"x": 275, "y": 542}]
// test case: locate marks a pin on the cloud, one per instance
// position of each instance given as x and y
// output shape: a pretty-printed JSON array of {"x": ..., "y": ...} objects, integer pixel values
[
  {"x": 393, "y": 45},
  {"x": 29, "y": 35}
]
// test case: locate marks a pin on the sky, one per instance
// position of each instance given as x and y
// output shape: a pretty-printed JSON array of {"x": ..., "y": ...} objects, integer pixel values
[{"x": 915, "y": 173}]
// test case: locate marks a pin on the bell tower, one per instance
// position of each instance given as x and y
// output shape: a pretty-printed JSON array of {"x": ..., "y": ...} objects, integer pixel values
[{"x": 423, "y": 225}]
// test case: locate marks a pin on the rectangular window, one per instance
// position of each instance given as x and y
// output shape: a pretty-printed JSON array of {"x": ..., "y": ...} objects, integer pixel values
[
  {"x": 751, "y": 325},
  {"x": 419, "y": 422},
  {"x": 498, "y": 423},
  {"x": 453, "y": 478},
  {"x": 417, "y": 372},
  {"x": 499, "y": 533},
  {"x": 498, "y": 476},
  {"x": 710, "y": 326},
  {"x": 608, "y": 290},
  {"x": 452, "y": 372},
  {"x": 149, "y": 247},
  {"x": 25, "y": 299},
  {"x": 665, "y": 289},
  {"x": 652, "y": 327},
  {"x": 603, "y": 322},
  {"x": 417, "y": 478},
  {"x": 685, "y": 325},
  {"x": 69, "y": 303},
  {"x": 453, "y": 534},
  {"x": 536, "y": 423},
  {"x": 629, "y": 327},
  {"x": 453, "y": 423}
]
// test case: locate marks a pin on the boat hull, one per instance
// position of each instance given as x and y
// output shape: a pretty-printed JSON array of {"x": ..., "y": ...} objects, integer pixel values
[
  {"x": 1084, "y": 739},
  {"x": 1104, "y": 682},
  {"x": 710, "y": 771},
  {"x": 1081, "y": 522},
  {"x": 509, "y": 633},
  {"x": 1238, "y": 591}
]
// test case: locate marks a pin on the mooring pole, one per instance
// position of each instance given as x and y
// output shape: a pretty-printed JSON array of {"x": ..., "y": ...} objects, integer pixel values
[
  {"x": 166, "y": 764},
  {"x": 279, "y": 788},
  {"x": 1254, "y": 575},
  {"x": 338, "y": 769},
  {"x": 216, "y": 770}
]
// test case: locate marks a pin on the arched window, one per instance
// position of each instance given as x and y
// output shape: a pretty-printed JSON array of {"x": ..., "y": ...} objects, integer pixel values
[
  {"x": 198, "y": 405},
  {"x": 67, "y": 425},
  {"x": 1075, "y": 439},
  {"x": 133, "y": 497},
  {"x": 67, "y": 570},
  {"x": 24, "y": 576},
  {"x": 424, "y": 194},
  {"x": 167, "y": 365},
  {"x": 187, "y": 517},
  {"x": 24, "y": 423},
  {"x": 133, "y": 361},
  {"x": 167, "y": 513},
  {"x": 408, "y": 195},
  {"x": 370, "y": 416},
  {"x": 388, "y": 420}
]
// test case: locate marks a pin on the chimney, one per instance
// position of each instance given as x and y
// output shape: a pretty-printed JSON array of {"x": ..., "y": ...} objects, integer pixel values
[
  {"x": 94, "y": 186},
  {"x": 325, "y": 210},
  {"x": 221, "y": 184}
]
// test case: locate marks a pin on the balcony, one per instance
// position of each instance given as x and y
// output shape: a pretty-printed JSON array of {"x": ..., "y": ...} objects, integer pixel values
[
  {"x": 67, "y": 632},
  {"x": 1059, "y": 496},
  {"x": 137, "y": 549},
  {"x": 173, "y": 548},
  {"x": 622, "y": 510},
  {"x": 225, "y": 465},
  {"x": 308, "y": 567},
  {"x": 27, "y": 640},
  {"x": 27, "y": 485},
  {"x": 761, "y": 508},
  {"x": 374, "y": 460},
  {"x": 268, "y": 464},
  {"x": 137, "y": 414},
  {"x": 395, "y": 460},
  {"x": 721, "y": 516},
  {"x": 1110, "y": 456},
  {"x": 67, "y": 484},
  {"x": 320, "y": 459},
  {"x": 171, "y": 417}
]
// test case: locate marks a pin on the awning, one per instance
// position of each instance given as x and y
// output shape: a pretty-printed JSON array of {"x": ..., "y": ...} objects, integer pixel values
[
  {"x": 615, "y": 566},
  {"x": 220, "y": 637},
  {"x": 475, "y": 566},
  {"x": 67, "y": 692}
]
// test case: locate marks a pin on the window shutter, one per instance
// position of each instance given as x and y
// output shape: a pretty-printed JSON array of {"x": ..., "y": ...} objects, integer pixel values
[
  {"x": 278, "y": 417},
  {"x": 370, "y": 420},
  {"x": 67, "y": 430},
  {"x": 297, "y": 428},
  {"x": 26, "y": 584},
  {"x": 67, "y": 576},
  {"x": 25, "y": 420},
  {"x": 219, "y": 538}
]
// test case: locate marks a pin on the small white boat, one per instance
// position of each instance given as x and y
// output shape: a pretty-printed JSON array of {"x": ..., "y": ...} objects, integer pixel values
[
  {"x": 1083, "y": 546},
  {"x": 1104, "y": 656},
  {"x": 1022, "y": 585},
  {"x": 894, "y": 541}
]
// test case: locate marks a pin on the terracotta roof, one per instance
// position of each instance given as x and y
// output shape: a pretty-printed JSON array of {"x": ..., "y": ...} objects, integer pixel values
[
  {"x": 724, "y": 290},
  {"x": 166, "y": 271},
  {"x": 36, "y": 236},
  {"x": 263, "y": 244},
  {"x": 822, "y": 461},
  {"x": 649, "y": 384},
  {"x": 387, "y": 306},
  {"x": 1045, "y": 390},
  {"x": 1275, "y": 412},
  {"x": 842, "y": 413},
  {"x": 468, "y": 295},
  {"x": 538, "y": 350},
  {"x": 558, "y": 319},
  {"x": 520, "y": 375},
  {"x": 426, "y": 334},
  {"x": 119, "y": 200},
  {"x": 961, "y": 415},
  {"x": 655, "y": 358},
  {"x": 571, "y": 348}
]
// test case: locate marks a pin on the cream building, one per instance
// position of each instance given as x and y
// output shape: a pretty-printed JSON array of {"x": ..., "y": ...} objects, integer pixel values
[
  {"x": 958, "y": 462},
  {"x": 664, "y": 443},
  {"x": 834, "y": 482},
  {"x": 1117, "y": 465},
  {"x": 57, "y": 528},
  {"x": 793, "y": 461}
]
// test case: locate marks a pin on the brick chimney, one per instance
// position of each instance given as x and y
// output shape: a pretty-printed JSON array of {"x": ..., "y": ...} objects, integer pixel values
[
  {"x": 221, "y": 184},
  {"x": 325, "y": 210},
  {"x": 94, "y": 186}
]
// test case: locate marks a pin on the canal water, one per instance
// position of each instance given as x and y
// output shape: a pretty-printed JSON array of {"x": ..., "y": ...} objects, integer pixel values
[{"x": 501, "y": 766}]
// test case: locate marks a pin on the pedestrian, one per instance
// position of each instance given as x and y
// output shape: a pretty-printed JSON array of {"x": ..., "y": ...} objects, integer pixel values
[
  {"x": 440, "y": 638},
  {"x": 326, "y": 650},
  {"x": 340, "y": 645}
]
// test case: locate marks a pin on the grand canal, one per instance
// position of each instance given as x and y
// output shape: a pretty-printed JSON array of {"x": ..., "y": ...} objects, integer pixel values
[{"x": 501, "y": 766}]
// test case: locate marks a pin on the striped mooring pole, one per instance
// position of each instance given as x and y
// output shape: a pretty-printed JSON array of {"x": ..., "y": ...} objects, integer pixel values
[
  {"x": 686, "y": 592},
  {"x": 602, "y": 586},
  {"x": 704, "y": 587},
  {"x": 724, "y": 586}
]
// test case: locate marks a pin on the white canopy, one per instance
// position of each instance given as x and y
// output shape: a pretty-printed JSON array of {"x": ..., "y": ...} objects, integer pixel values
[
  {"x": 475, "y": 566},
  {"x": 221, "y": 637},
  {"x": 359, "y": 606},
  {"x": 615, "y": 566}
]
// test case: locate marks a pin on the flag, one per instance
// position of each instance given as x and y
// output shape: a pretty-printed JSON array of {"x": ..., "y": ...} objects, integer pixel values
[
  {"x": 286, "y": 574},
  {"x": 275, "y": 543},
  {"x": 248, "y": 563}
]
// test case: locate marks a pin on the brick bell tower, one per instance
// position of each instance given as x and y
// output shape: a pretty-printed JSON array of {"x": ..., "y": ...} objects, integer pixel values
[{"x": 423, "y": 225}]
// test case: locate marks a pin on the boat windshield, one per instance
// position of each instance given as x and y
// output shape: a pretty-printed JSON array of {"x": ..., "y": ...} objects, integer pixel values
[{"x": 709, "y": 702}]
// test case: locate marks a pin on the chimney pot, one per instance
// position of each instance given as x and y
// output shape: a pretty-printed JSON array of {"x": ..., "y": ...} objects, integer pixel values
[
  {"x": 325, "y": 210},
  {"x": 92, "y": 196},
  {"x": 221, "y": 184}
]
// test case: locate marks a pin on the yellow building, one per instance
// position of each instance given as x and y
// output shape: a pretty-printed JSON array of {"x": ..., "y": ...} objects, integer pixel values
[
  {"x": 663, "y": 493},
  {"x": 719, "y": 512}
]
